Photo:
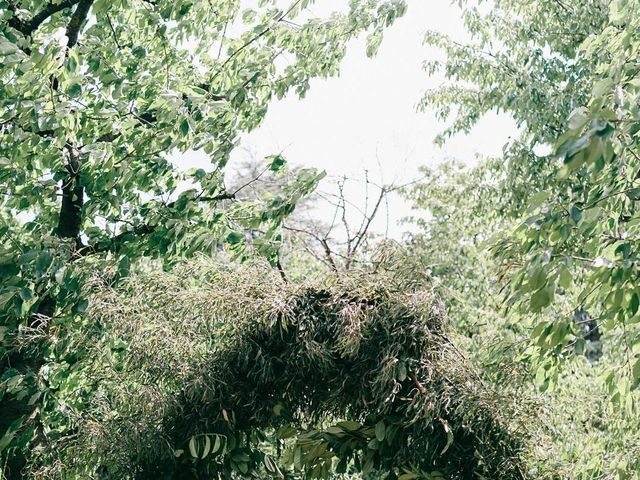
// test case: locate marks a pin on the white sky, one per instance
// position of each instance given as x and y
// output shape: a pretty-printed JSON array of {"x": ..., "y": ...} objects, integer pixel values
[{"x": 366, "y": 119}]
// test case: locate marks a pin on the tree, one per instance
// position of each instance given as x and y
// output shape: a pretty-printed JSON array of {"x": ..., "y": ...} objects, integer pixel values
[
  {"x": 561, "y": 210},
  {"x": 463, "y": 204},
  {"x": 346, "y": 240},
  {"x": 568, "y": 74},
  {"x": 97, "y": 98}
]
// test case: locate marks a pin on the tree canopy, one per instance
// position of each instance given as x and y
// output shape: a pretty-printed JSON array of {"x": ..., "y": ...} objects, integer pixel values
[
  {"x": 98, "y": 100},
  {"x": 567, "y": 73}
]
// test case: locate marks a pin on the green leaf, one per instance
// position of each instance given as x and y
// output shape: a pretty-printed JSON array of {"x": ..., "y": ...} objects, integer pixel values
[
  {"x": 10, "y": 433},
  {"x": 124, "y": 266},
  {"x": 538, "y": 199},
  {"x": 269, "y": 465},
  {"x": 540, "y": 299},
  {"x": 7, "y": 47},
  {"x": 349, "y": 425},
  {"x": 43, "y": 262},
  {"x": 193, "y": 450},
  {"x": 380, "y": 431},
  {"x": 449, "y": 433},
  {"x": 234, "y": 238},
  {"x": 635, "y": 370},
  {"x": 576, "y": 214},
  {"x": 634, "y": 303},
  {"x": 565, "y": 277},
  {"x": 374, "y": 40},
  {"x": 537, "y": 280},
  {"x": 6, "y": 296},
  {"x": 249, "y": 15},
  {"x": 59, "y": 275},
  {"x": 408, "y": 476},
  {"x": 578, "y": 118},
  {"x": 217, "y": 444},
  {"x": 207, "y": 447},
  {"x": 633, "y": 194},
  {"x": 276, "y": 162},
  {"x": 82, "y": 305},
  {"x": 74, "y": 90},
  {"x": 286, "y": 432},
  {"x": 184, "y": 127}
]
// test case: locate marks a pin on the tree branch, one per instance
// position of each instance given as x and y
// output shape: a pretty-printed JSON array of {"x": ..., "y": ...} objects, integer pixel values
[
  {"x": 254, "y": 39},
  {"x": 323, "y": 242},
  {"x": 77, "y": 19},
  {"x": 361, "y": 234},
  {"x": 25, "y": 128},
  {"x": 70, "y": 217},
  {"x": 29, "y": 26}
]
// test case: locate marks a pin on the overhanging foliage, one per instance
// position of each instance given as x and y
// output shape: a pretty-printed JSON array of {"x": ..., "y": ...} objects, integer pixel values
[{"x": 221, "y": 370}]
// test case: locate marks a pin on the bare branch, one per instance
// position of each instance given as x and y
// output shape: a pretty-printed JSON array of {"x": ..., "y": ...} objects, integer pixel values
[{"x": 361, "y": 234}]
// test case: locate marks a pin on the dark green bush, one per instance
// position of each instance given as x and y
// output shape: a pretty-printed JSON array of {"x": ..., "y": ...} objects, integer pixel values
[{"x": 219, "y": 371}]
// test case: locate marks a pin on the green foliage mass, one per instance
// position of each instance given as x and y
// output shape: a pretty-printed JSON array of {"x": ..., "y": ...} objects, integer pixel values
[
  {"x": 567, "y": 73},
  {"x": 194, "y": 369},
  {"x": 467, "y": 205},
  {"x": 98, "y": 98},
  {"x": 236, "y": 373},
  {"x": 561, "y": 225},
  {"x": 577, "y": 432}
]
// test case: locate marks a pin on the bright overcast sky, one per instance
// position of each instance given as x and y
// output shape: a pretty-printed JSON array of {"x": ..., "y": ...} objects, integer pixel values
[{"x": 366, "y": 118}]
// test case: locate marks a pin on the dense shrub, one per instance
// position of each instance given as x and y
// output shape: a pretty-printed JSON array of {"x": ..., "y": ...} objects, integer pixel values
[{"x": 218, "y": 370}]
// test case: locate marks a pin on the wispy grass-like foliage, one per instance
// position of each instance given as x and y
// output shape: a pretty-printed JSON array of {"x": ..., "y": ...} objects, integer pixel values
[{"x": 223, "y": 371}]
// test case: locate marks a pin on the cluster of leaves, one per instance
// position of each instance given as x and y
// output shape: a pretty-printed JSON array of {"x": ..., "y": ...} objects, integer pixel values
[
  {"x": 582, "y": 237},
  {"x": 94, "y": 121},
  {"x": 567, "y": 74},
  {"x": 240, "y": 374},
  {"x": 562, "y": 224},
  {"x": 583, "y": 435},
  {"x": 466, "y": 205},
  {"x": 578, "y": 434}
]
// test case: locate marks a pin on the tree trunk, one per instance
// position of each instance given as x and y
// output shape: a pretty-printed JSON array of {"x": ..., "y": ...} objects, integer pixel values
[{"x": 70, "y": 219}]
